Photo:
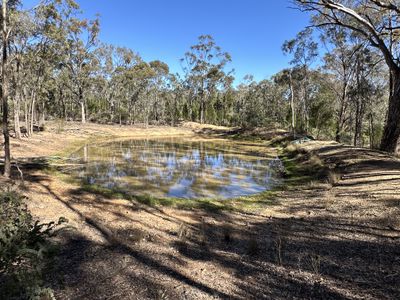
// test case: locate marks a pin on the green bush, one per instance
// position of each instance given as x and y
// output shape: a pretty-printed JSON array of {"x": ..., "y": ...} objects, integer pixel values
[{"x": 24, "y": 249}]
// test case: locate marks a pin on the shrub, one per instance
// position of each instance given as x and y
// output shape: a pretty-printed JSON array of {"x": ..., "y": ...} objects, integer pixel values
[{"x": 24, "y": 248}]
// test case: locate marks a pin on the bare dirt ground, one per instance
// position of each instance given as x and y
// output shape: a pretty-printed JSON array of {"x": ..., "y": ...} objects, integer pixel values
[
  {"x": 338, "y": 239},
  {"x": 60, "y": 137}
]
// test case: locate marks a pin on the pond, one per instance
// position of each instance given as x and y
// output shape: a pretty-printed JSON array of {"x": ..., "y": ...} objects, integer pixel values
[{"x": 177, "y": 168}]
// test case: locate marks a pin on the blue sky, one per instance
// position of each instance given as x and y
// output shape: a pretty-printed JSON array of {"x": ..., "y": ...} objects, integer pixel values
[{"x": 252, "y": 31}]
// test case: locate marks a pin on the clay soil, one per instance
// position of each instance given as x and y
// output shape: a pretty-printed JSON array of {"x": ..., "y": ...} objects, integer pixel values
[{"x": 322, "y": 239}]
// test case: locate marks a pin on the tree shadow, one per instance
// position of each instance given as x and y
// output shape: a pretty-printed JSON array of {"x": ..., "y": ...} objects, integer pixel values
[
  {"x": 118, "y": 245},
  {"x": 203, "y": 254},
  {"x": 312, "y": 258}
]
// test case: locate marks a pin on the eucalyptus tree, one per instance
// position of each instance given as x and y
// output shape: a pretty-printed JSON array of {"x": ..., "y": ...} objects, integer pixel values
[
  {"x": 377, "y": 23},
  {"x": 50, "y": 50},
  {"x": 204, "y": 66},
  {"x": 80, "y": 59},
  {"x": 76, "y": 40},
  {"x": 19, "y": 42},
  {"x": 140, "y": 105},
  {"x": 4, "y": 89},
  {"x": 9, "y": 11},
  {"x": 38, "y": 68},
  {"x": 158, "y": 87},
  {"x": 244, "y": 98},
  {"x": 287, "y": 88},
  {"x": 285, "y": 77},
  {"x": 115, "y": 80},
  {"x": 224, "y": 105},
  {"x": 323, "y": 106},
  {"x": 341, "y": 61},
  {"x": 367, "y": 89},
  {"x": 304, "y": 51},
  {"x": 175, "y": 96}
]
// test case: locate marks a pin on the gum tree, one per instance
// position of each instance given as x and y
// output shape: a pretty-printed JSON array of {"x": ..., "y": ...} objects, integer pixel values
[
  {"x": 4, "y": 89},
  {"x": 8, "y": 9},
  {"x": 304, "y": 52},
  {"x": 204, "y": 66},
  {"x": 378, "y": 23}
]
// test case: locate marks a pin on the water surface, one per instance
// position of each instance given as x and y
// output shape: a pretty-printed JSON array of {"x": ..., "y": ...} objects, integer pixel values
[{"x": 177, "y": 168}]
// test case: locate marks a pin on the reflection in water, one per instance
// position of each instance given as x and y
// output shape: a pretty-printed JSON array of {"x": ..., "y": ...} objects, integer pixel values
[{"x": 176, "y": 168}]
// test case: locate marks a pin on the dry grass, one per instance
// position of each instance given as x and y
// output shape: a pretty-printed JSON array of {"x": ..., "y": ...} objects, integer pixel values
[
  {"x": 62, "y": 137},
  {"x": 291, "y": 148},
  {"x": 315, "y": 162},
  {"x": 318, "y": 243},
  {"x": 333, "y": 177}
]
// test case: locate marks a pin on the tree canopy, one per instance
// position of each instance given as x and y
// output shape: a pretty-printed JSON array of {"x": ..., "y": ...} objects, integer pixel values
[{"x": 56, "y": 67}]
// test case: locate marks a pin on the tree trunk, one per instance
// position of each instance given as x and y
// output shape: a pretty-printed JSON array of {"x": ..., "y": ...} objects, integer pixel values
[
  {"x": 134, "y": 113},
  {"x": 42, "y": 115},
  {"x": 339, "y": 127},
  {"x": 82, "y": 103},
  {"x": 83, "y": 114},
  {"x": 26, "y": 115},
  {"x": 112, "y": 111},
  {"x": 391, "y": 132},
  {"x": 202, "y": 110},
  {"x": 130, "y": 114},
  {"x": 202, "y": 102},
  {"x": 17, "y": 101},
  {"x": 360, "y": 114},
  {"x": 190, "y": 109},
  {"x": 63, "y": 114},
  {"x": 32, "y": 117},
  {"x": 4, "y": 94},
  {"x": 292, "y": 106},
  {"x": 371, "y": 132},
  {"x": 357, "y": 129},
  {"x": 341, "y": 117},
  {"x": 17, "y": 112}
]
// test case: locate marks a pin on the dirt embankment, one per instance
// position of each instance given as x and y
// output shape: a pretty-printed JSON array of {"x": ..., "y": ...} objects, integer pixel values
[
  {"x": 59, "y": 137},
  {"x": 333, "y": 233}
]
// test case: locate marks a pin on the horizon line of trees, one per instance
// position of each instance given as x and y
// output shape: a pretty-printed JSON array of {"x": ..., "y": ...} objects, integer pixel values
[{"x": 55, "y": 67}]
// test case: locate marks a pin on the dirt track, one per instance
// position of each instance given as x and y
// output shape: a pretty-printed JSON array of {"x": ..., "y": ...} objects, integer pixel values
[{"x": 320, "y": 241}]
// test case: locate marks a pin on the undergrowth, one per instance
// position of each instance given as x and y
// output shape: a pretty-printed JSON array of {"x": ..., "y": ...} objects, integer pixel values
[
  {"x": 303, "y": 167},
  {"x": 25, "y": 249}
]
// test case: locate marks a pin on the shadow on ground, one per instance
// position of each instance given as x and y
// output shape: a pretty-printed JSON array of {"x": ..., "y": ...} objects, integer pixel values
[{"x": 153, "y": 253}]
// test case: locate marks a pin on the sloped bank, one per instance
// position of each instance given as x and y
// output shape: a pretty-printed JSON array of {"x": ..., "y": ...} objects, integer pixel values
[{"x": 330, "y": 236}]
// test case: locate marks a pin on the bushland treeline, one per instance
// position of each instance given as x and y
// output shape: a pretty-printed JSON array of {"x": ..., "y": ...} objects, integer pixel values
[{"x": 342, "y": 73}]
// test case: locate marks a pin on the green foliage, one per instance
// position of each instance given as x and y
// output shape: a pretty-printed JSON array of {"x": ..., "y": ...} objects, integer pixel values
[
  {"x": 204, "y": 66},
  {"x": 211, "y": 115},
  {"x": 74, "y": 76},
  {"x": 24, "y": 249}
]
